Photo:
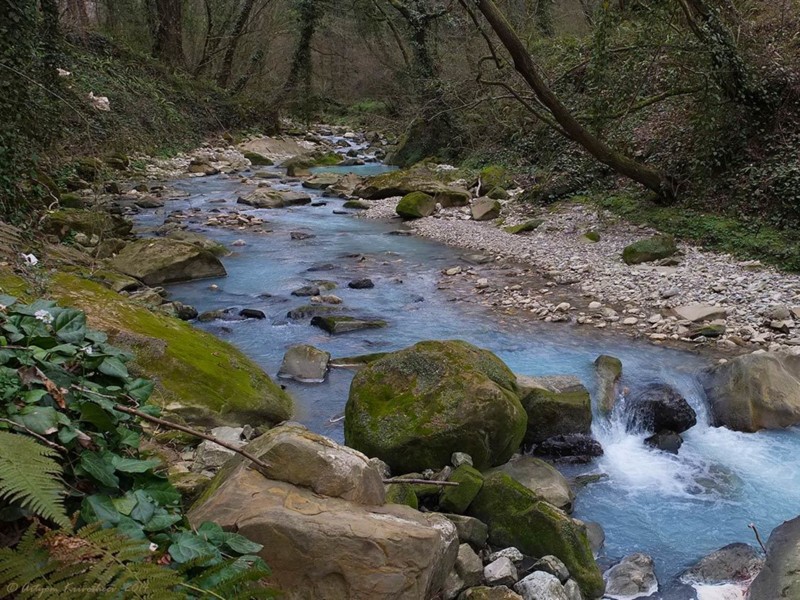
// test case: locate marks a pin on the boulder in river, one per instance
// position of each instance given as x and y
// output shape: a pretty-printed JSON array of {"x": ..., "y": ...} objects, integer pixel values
[
  {"x": 305, "y": 363},
  {"x": 415, "y": 407},
  {"x": 648, "y": 250},
  {"x": 270, "y": 198},
  {"x": 416, "y": 205},
  {"x": 730, "y": 564},
  {"x": 609, "y": 371},
  {"x": 336, "y": 324},
  {"x": 517, "y": 517},
  {"x": 632, "y": 577},
  {"x": 556, "y": 405},
  {"x": 575, "y": 447},
  {"x": 659, "y": 407},
  {"x": 361, "y": 284},
  {"x": 321, "y": 181},
  {"x": 319, "y": 513},
  {"x": 401, "y": 183},
  {"x": 541, "y": 478},
  {"x": 780, "y": 577},
  {"x": 157, "y": 260},
  {"x": 755, "y": 391}
]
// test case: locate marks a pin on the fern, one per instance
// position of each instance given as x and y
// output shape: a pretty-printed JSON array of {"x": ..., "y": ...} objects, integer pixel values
[
  {"x": 30, "y": 476},
  {"x": 95, "y": 562}
]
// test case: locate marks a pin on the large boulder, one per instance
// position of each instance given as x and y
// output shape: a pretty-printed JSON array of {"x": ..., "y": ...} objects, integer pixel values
[
  {"x": 269, "y": 198},
  {"x": 780, "y": 577},
  {"x": 401, "y": 183},
  {"x": 654, "y": 248},
  {"x": 415, "y": 407},
  {"x": 541, "y": 478},
  {"x": 416, "y": 205},
  {"x": 633, "y": 577},
  {"x": 305, "y": 363},
  {"x": 156, "y": 261},
  {"x": 658, "y": 407},
  {"x": 755, "y": 391},
  {"x": 556, "y": 405},
  {"x": 517, "y": 517},
  {"x": 730, "y": 564},
  {"x": 318, "y": 543},
  {"x": 485, "y": 209},
  {"x": 65, "y": 221}
]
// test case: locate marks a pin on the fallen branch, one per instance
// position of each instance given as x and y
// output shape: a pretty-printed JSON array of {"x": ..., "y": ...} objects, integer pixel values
[{"x": 758, "y": 537}]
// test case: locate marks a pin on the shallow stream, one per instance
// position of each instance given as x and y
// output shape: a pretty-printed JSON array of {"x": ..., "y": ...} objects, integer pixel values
[{"x": 675, "y": 508}]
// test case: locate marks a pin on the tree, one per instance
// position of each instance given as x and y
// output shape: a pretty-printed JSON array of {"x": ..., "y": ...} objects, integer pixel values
[
  {"x": 224, "y": 75},
  {"x": 167, "y": 21},
  {"x": 564, "y": 121}
]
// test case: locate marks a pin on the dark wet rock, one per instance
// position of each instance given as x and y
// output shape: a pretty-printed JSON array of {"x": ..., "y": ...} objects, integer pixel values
[
  {"x": 307, "y": 290},
  {"x": 574, "y": 447},
  {"x": 309, "y": 311},
  {"x": 556, "y": 405},
  {"x": 301, "y": 235},
  {"x": 361, "y": 284},
  {"x": 252, "y": 313},
  {"x": 657, "y": 408},
  {"x": 668, "y": 441},
  {"x": 341, "y": 324},
  {"x": 323, "y": 267}
]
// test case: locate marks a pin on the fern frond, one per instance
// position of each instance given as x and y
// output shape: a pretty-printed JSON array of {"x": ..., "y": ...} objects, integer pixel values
[
  {"x": 30, "y": 476},
  {"x": 239, "y": 579}
]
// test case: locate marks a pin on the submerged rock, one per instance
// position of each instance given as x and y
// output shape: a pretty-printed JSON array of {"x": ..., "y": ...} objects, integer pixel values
[
  {"x": 415, "y": 407},
  {"x": 305, "y": 363},
  {"x": 517, "y": 517},
  {"x": 755, "y": 391},
  {"x": 339, "y": 324},
  {"x": 270, "y": 198}
]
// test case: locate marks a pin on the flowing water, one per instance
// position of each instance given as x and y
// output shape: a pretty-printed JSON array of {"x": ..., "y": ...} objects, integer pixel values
[{"x": 675, "y": 508}]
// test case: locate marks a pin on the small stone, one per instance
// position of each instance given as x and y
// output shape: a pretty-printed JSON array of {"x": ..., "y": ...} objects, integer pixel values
[
  {"x": 500, "y": 572},
  {"x": 482, "y": 283},
  {"x": 541, "y": 585},
  {"x": 453, "y": 271},
  {"x": 239, "y": 243},
  {"x": 361, "y": 284},
  {"x": 595, "y": 305},
  {"x": 460, "y": 458},
  {"x": 551, "y": 564},
  {"x": 630, "y": 321},
  {"x": 563, "y": 307},
  {"x": 511, "y": 553}
]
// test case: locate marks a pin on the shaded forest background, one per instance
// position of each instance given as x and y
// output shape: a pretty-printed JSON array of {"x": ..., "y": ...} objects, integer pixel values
[{"x": 703, "y": 93}]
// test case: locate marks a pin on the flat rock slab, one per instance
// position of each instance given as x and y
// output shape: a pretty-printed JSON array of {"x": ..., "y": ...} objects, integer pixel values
[
  {"x": 157, "y": 260},
  {"x": 336, "y": 325},
  {"x": 700, "y": 312}
]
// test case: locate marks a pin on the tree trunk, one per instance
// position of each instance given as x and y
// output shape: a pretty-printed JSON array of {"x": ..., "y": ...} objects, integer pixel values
[
  {"x": 301, "y": 70},
  {"x": 224, "y": 75},
  {"x": 649, "y": 177},
  {"x": 169, "y": 32}
]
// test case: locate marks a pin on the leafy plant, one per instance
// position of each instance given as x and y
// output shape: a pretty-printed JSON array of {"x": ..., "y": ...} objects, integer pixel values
[{"x": 61, "y": 385}]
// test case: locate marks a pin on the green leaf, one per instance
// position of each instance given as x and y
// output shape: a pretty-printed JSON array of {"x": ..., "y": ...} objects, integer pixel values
[
  {"x": 113, "y": 367},
  {"x": 161, "y": 520},
  {"x": 131, "y": 528},
  {"x": 162, "y": 492},
  {"x": 144, "y": 510},
  {"x": 125, "y": 504},
  {"x": 99, "y": 508},
  {"x": 188, "y": 547},
  {"x": 100, "y": 468},
  {"x": 128, "y": 437},
  {"x": 33, "y": 396},
  {"x": 133, "y": 465},
  {"x": 43, "y": 420},
  {"x": 241, "y": 545},
  {"x": 70, "y": 325},
  {"x": 94, "y": 414},
  {"x": 140, "y": 389},
  {"x": 7, "y": 301}
]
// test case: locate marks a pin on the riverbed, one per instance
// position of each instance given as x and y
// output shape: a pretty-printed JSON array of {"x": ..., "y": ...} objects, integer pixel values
[{"x": 675, "y": 508}]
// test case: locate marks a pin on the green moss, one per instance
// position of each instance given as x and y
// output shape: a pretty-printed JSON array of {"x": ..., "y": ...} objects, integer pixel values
[
  {"x": 498, "y": 193},
  {"x": 197, "y": 375},
  {"x": 356, "y": 204},
  {"x": 416, "y": 205},
  {"x": 556, "y": 413},
  {"x": 14, "y": 285},
  {"x": 71, "y": 200},
  {"x": 494, "y": 176},
  {"x": 654, "y": 248},
  {"x": 401, "y": 493},
  {"x": 592, "y": 236},
  {"x": 456, "y": 499},
  {"x": 415, "y": 407},
  {"x": 420, "y": 178},
  {"x": 524, "y": 227},
  {"x": 357, "y": 361},
  {"x": 62, "y": 222},
  {"x": 516, "y": 517},
  {"x": 257, "y": 159}
]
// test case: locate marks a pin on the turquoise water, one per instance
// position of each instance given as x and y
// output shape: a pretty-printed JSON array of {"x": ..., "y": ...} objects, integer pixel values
[{"x": 675, "y": 508}]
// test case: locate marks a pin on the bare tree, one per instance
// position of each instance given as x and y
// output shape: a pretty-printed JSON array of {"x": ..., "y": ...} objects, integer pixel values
[
  {"x": 167, "y": 16},
  {"x": 224, "y": 75}
]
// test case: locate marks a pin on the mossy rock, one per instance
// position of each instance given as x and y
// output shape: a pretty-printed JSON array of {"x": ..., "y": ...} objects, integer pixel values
[
  {"x": 494, "y": 176},
  {"x": 524, "y": 227},
  {"x": 337, "y": 324},
  {"x": 356, "y": 204},
  {"x": 416, "y": 205},
  {"x": 77, "y": 220},
  {"x": 197, "y": 375},
  {"x": 158, "y": 260},
  {"x": 420, "y": 179},
  {"x": 72, "y": 200},
  {"x": 401, "y": 493},
  {"x": 497, "y": 193},
  {"x": 199, "y": 240},
  {"x": 118, "y": 161},
  {"x": 190, "y": 485},
  {"x": 357, "y": 361},
  {"x": 14, "y": 285},
  {"x": 258, "y": 160},
  {"x": 517, "y": 517},
  {"x": 557, "y": 405},
  {"x": 456, "y": 499},
  {"x": 415, "y": 407},
  {"x": 592, "y": 236},
  {"x": 654, "y": 248},
  {"x": 89, "y": 169}
]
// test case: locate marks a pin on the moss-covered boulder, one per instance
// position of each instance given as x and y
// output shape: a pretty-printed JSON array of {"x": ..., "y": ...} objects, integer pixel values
[
  {"x": 257, "y": 159},
  {"x": 337, "y": 324},
  {"x": 415, "y": 407},
  {"x": 197, "y": 375},
  {"x": 497, "y": 193},
  {"x": 401, "y": 183},
  {"x": 199, "y": 240},
  {"x": 157, "y": 260},
  {"x": 456, "y": 499},
  {"x": 401, "y": 493},
  {"x": 416, "y": 205},
  {"x": 517, "y": 517},
  {"x": 523, "y": 227},
  {"x": 89, "y": 168},
  {"x": 493, "y": 176},
  {"x": 65, "y": 221},
  {"x": 654, "y": 248},
  {"x": 556, "y": 405}
]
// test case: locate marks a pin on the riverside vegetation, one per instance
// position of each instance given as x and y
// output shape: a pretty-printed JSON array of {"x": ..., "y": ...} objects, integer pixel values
[{"x": 550, "y": 131}]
